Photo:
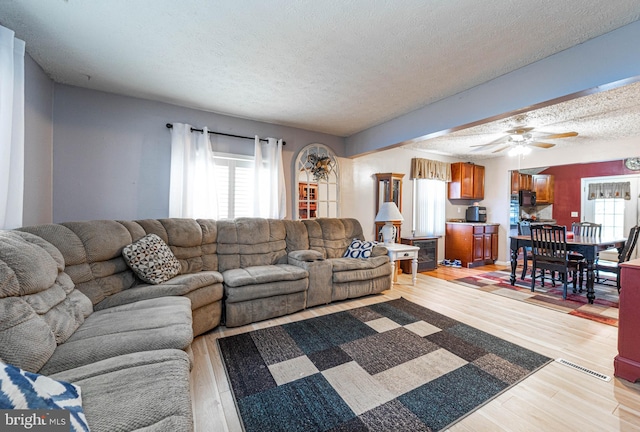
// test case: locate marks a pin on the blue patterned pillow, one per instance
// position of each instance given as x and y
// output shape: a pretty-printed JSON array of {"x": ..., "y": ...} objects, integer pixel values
[
  {"x": 359, "y": 249},
  {"x": 20, "y": 389}
]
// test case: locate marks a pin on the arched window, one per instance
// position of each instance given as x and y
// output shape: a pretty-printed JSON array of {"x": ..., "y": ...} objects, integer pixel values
[{"x": 317, "y": 180}]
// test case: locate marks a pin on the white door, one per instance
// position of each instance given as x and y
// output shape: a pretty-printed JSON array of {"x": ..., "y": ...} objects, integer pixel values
[{"x": 617, "y": 216}]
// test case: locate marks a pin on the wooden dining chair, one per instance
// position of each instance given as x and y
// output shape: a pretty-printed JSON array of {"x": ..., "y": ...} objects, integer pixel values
[
  {"x": 624, "y": 256},
  {"x": 524, "y": 228},
  {"x": 583, "y": 229},
  {"x": 549, "y": 252}
]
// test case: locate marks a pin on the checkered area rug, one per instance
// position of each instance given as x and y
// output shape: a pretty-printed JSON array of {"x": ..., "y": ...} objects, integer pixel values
[
  {"x": 392, "y": 366},
  {"x": 604, "y": 310}
]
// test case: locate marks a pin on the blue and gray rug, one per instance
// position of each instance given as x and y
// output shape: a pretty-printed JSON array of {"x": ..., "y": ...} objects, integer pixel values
[{"x": 392, "y": 366}]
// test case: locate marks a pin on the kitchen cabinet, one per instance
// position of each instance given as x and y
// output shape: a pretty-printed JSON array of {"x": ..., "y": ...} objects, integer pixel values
[
  {"x": 627, "y": 362},
  {"x": 472, "y": 243},
  {"x": 520, "y": 181},
  {"x": 467, "y": 181},
  {"x": 427, "y": 255},
  {"x": 543, "y": 186},
  {"x": 307, "y": 200},
  {"x": 388, "y": 188}
]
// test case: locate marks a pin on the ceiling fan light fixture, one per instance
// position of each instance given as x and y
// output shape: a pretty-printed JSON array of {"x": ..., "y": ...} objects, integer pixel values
[{"x": 519, "y": 149}]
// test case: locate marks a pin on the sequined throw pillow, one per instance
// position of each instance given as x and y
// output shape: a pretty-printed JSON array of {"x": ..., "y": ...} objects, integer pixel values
[{"x": 151, "y": 259}]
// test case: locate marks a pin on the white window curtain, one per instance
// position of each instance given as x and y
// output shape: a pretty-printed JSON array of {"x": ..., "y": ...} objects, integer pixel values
[
  {"x": 430, "y": 199},
  {"x": 270, "y": 192},
  {"x": 620, "y": 190},
  {"x": 11, "y": 129},
  {"x": 192, "y": 191}
]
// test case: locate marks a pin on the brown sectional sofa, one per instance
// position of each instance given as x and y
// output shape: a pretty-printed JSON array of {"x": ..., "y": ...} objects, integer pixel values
[{"x": 71, "y": 308}]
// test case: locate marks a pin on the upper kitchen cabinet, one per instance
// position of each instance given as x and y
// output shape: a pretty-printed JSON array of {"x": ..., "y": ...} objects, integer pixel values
[
  {"x": 520, "y": 181},
  {"x": 467, "y": 181},
  {"x": 543, "y": 187}
]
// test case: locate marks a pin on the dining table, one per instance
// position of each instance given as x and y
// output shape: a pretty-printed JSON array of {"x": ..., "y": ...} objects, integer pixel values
[{"x": 585, "y": 245}]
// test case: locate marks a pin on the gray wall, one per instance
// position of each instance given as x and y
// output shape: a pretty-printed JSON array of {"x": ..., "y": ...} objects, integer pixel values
[
  {"x": 111, "y": 153},
  {"x": 38, "y": 143}
]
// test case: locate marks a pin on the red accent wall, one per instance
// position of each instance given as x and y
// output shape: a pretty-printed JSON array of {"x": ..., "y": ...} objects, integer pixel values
[{"x": 567, "y": 192}]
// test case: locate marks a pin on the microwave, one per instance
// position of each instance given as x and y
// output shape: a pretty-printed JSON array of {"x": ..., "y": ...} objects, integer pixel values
[
  {"x": 476, "y": 214},
  {"x": 526, "y": 198}
]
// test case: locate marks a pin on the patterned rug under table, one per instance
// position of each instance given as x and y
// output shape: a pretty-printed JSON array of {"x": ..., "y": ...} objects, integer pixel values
[
  {"x": 604, "y": 310},
  {"x": 391, "y": 366}
]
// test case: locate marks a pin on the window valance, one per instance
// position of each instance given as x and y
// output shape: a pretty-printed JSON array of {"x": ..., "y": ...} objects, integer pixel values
[
  {"x": 620, "y": 190},
  {"x": 430, "y": 169}
]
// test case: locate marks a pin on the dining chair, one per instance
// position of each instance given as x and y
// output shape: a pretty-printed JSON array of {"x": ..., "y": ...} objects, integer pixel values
[
  {"x": 624, "y": 256},
  {"x": 524, "y": 228},
  {"x": 549, "y": 252},
  {"x": 583, "y": 229}
]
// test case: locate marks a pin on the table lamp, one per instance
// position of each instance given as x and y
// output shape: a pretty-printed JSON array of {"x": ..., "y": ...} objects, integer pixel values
[{"x": 388, "y": 213}]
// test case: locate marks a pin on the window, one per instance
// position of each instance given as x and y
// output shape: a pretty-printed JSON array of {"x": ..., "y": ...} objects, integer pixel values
[
  {"x": 317, "y": 194},
  {"x": 234, "y": 185},
  {"x": 610, "y": 213},
  {"x": 430, "y": 199}
]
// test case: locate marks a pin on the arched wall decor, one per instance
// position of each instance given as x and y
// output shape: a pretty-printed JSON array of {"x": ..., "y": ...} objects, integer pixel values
[{"x": 317, "y": 191}]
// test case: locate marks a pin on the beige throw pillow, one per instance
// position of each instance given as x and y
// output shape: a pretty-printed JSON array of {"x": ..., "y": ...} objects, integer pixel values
[{"x": 151, "y": 259}]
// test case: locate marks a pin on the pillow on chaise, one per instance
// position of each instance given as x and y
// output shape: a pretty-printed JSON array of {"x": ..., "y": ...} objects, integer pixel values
[
  {"x": 151, "y": 259},
  {"x": 20, "y": 390},
  {"x": 359, "y": 249}
]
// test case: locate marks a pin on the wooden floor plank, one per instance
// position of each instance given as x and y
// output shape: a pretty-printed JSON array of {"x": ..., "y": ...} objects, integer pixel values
[{"x": 554, "y": 398}]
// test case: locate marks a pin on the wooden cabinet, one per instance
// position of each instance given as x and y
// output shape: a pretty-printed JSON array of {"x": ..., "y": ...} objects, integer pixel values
[
  {"x": 473, "y": 244},
  {"x": 520, "y": 181},
  {"x": 427, "y": 255},
  {"x": 627, "y": 362},
  {"x": 307, "y": 200},
  {"x": 388, "y": 188},
  {"x": 543, "y": 186},
  {"x": 467, "y": 181}
]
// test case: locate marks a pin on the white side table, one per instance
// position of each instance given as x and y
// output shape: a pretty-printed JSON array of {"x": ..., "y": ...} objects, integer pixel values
[{"x": 398, "y": 252}]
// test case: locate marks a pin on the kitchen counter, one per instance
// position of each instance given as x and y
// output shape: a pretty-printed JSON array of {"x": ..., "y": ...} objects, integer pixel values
[{"x": 473, "y": 223}]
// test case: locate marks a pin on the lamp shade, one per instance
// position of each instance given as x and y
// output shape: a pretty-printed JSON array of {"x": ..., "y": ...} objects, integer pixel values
[{"x": 389, "y": 212}]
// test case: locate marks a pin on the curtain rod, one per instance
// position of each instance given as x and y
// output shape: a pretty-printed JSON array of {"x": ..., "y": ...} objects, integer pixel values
[{"x": 170, "y": 126}]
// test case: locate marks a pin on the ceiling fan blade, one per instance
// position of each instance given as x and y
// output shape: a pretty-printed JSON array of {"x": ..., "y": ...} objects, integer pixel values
[
  {"x": 493, "y": 143},
  {"x": 501, "y": 148},
  {"x": 541, "y": 144},
  {"x": 560, "y": 135}
]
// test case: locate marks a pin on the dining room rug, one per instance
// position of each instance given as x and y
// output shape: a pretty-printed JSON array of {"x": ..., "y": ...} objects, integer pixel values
[
  {"x": 604, "y": 309},
  {"x": 390, "y": 366}
]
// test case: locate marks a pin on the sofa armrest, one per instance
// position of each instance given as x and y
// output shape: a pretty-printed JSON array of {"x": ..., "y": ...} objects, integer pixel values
[
  {"x": 379, "y": 250},
  {"x": 305, "y": 256}
]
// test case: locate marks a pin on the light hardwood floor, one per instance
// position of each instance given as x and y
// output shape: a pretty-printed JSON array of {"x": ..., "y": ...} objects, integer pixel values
[{"x": 556, "y": 398}]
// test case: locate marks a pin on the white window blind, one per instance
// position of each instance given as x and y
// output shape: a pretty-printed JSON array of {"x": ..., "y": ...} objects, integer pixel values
[
  {"x": 430, "y": 207},
  {"x": 234, "y": 184}
]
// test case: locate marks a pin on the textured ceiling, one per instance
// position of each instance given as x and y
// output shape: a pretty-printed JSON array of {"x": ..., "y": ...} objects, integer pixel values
[
  {"x": 335, "y": 66},
  {"x": 598, "y": 117}
]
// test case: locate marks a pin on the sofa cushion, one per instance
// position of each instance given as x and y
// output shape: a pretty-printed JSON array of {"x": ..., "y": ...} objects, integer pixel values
[
  {"x": 263, "y": 274},
  {"x": 146, "y": 325},
  {"x": 39, "y": 305},
  {"x": 359, "y": 249},
  {"x": 151, "y": 259},
  {"x": 140, "y": 391},
  {"x": 20, "y": 389},
  {"x": 349, "y": 269}
]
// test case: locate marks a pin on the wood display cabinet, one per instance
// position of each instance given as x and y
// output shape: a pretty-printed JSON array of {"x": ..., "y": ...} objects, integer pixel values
[
  {"x": 473, "y": 244},
  {"x": 543, "y": 185},
  {"x": 307, "y": 200},
  {"x": 467, "y": 181},
  {"x": 427, "y": 255},
  {"x": 520, "y": 181},
  {"x": 388, "y": 188}
]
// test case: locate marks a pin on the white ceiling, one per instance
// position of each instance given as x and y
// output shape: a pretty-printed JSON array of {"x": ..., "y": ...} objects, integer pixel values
[{"x": 334, "y": 66}]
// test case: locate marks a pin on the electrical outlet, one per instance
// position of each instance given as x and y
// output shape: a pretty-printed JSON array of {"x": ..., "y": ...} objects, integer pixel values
[
  {"x": 459, "y": 210},
  {"x": 574, "y": 214}
]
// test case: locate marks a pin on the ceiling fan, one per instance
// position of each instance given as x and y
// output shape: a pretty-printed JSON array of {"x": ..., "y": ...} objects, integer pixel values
[{"x": 520, "y": 140}]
